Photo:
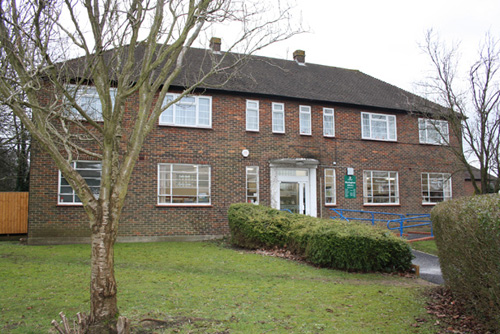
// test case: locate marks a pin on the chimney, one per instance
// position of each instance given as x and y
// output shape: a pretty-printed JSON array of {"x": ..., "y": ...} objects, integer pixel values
[
  {"x": 215, "y": 44},
  {"x": 300, "y": 57}
]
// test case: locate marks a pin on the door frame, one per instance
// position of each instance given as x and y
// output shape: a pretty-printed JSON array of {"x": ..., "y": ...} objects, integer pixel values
[{"x": 310, "y": 165}]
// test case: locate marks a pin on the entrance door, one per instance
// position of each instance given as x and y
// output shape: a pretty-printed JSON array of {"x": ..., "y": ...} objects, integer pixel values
[{"x": 293, "y": 197}]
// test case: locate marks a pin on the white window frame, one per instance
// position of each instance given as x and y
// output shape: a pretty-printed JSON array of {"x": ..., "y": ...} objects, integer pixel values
[
  {"x": 95, "y": 190},
  {"x": 165, "y": 115},
  {"x": 445, "y": 178},
  {"x": 368, "y": 199},
  {"x": 276, "y": 111},
  {"x": 305, "y": 120},
  {"x": 92, "y": 96},
  {"x": 428, "y": 129},
  {"x": 328, "y": 112},
  {"x": 170, "y": 166},
  {"x": 255, "y": 199},
  {"x": 333, "y": 186},
  {"x": 369, "y": 134},
  {"x": 249, "y": 110}
]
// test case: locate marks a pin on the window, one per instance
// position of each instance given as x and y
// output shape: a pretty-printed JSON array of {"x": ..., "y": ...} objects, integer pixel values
[
  {"x": 305, "y": 120},
  {"x": 378, "y": 126},
  {"x": 433, "y": 131},
  {"x": 278, "y": 117},
  {"x": 380, "y": 187},
  {"x": 328, "y": 122},
  {"x": 88, "y": 99},
  {"x": 330, "y": 197},
  {"x": 189, "y": 111},
  {"x": 181, "y": 184},
  {"x": 91, "y": 173},
  {"x": 253, "y": 185},
  {"x": 252, "y": 115},
  {"x": 436, "y": 187}
]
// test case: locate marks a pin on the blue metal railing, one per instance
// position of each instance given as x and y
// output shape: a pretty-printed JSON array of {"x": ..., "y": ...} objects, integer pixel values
[
  {"x": 288, "y": 210},
  {"x": 410, "y": 217},
  {"x": 342, "y": 215}
]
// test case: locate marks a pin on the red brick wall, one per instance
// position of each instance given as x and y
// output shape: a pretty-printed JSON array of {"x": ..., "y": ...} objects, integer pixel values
[{"x": 221, "y": 146}]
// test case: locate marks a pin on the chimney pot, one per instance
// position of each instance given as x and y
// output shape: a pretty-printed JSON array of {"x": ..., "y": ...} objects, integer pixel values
[
  {"x": 300, "y": 57},
  {"x": 215, "y": 43}
]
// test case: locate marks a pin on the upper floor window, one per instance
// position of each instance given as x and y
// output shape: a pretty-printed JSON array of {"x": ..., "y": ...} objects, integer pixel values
[
  {"x": 88, "y": 99},
  {"x": 189, "y": 111},
  {"x": 305, "y": 120},
  {"x": 380, "y": 187},
  {"x": 91, "y": 173},
  {"x": 252, "y": 184},
  {"x": 278, "y": 117},
  {"x": 182, "y": 184},
  {"x": 436, "y": 187},
  {"x": 328, "y": 122},
  {"x": 432, "y": 131},
  {"x": 330, "y": 197},
  {"x": 378, "y": 126},
  {"x": 252, "y": 115}
]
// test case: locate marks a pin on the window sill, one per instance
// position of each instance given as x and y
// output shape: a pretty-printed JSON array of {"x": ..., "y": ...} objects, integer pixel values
[
  {"x": 252, "y": 131},
  {"x": 184, "y": 205},
  {"x": 306, "y": 134},
  {"x": 382, "y": 140},
  {"x": 70, "y": 205},
  {"x": 429, "y": 204},
  {"x": 325, "y": 136},
  {"x": 186, "y": 126},
  {"x": 434, "y": 144},
  {"x": 381, "y": 204},
  {"x": 278, "y": 133}
]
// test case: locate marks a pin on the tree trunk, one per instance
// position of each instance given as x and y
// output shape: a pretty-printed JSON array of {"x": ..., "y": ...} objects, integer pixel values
[{"x": 103, "y": 302}]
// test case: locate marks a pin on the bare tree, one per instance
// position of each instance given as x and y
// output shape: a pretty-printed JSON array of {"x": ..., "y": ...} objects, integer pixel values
[
  {"x": 36, "y": 40},
  {"x": 472, "y": 106}
]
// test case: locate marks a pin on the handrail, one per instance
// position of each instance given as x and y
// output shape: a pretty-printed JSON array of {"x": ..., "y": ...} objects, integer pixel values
[
  {"x": 413, "y": 217},
  {"x": 340, "y": 213}
]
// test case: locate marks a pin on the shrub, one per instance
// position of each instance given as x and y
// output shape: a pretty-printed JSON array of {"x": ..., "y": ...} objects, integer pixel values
[
  {"x": 254, "y": 226},
  {"x": 328, "y": 243},
  {"x": 467, "y": 234}
]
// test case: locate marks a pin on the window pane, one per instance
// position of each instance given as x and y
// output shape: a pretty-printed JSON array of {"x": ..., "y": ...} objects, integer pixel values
[
  {"x": 186, "y": 184},
  {"x": 252, "y": 184}
]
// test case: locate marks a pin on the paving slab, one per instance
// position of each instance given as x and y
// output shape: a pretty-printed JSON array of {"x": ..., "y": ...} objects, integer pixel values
[{"x": 430, "y": 269}]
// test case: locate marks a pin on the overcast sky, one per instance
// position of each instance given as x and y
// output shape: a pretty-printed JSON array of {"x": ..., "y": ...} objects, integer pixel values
[{"x": 381, "y": 38}]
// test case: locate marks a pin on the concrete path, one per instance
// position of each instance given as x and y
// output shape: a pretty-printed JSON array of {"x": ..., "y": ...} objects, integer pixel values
[{"x": 430, "y": 269}]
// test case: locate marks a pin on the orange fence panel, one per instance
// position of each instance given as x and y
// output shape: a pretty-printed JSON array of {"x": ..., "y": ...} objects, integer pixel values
[{"x": 14, "y": 213}]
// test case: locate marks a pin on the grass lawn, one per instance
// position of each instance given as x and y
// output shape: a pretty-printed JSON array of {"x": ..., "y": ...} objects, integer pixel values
[
  {"x": 427, "y": 246},
  {"x": 206, "y": 288}
]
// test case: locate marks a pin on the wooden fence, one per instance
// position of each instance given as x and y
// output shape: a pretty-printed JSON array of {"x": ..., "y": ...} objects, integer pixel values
[{"x": 14, "y": 213}]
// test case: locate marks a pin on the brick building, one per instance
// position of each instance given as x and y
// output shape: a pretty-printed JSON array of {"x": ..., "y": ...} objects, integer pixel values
[{"x": 283, "y": 134}]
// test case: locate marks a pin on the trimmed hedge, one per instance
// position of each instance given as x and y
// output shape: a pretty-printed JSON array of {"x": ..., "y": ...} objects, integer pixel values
[
  {"x": 467, "y": 232},
  {"x": 327, "y": 243}
]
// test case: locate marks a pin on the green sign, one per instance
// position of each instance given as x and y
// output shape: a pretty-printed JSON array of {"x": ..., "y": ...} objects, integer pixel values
[{"x": 350, "y": 186}]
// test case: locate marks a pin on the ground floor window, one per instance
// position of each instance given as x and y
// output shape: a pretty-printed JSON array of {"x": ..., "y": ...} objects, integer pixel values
[
  {"x": 91, "y": 173},
  {"x": 252, "y": 184},
  {"x": 436, "y": 187},
  {"x": 380, "y": 187},
  {"x": 183, "y": 184},
  {"x": 330, "y": 197}
]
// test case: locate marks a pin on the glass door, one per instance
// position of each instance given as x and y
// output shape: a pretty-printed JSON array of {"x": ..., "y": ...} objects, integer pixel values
[{"x": 293, "y": 196}]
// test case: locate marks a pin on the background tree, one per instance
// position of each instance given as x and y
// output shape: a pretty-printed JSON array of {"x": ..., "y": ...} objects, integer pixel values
[
  {"x": 36, "y": 39},
  {"x": 474, "y": 102}
]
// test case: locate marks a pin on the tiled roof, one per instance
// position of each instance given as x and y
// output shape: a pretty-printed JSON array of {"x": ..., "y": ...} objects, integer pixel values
[{"x": 288, "y": 79}]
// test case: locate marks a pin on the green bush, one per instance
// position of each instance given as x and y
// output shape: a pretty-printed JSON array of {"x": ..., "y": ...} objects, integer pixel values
[
  {"x": 467, "y": 234},
  {"x": 327, "y": 243}
]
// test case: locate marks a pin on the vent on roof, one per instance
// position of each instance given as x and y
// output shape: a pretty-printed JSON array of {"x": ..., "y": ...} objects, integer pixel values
[
  {"x": 300, "y": 57},
  {"x": 215, "y": 43}
]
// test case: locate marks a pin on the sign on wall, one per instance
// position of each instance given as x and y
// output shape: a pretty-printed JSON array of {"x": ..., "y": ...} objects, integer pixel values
[{"x": 350, "y": 186}]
